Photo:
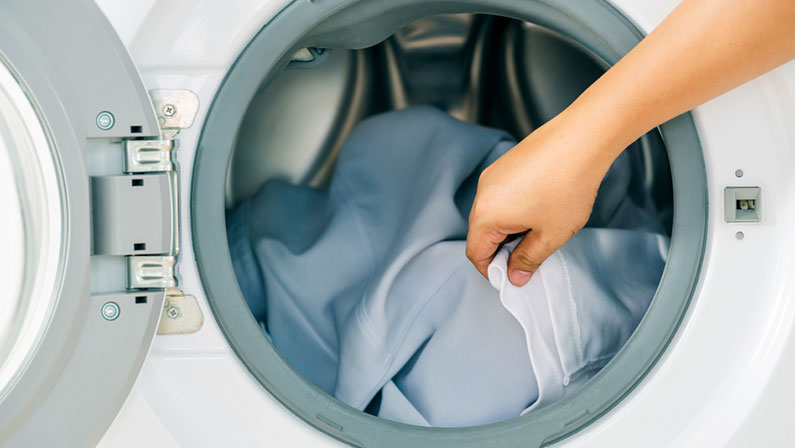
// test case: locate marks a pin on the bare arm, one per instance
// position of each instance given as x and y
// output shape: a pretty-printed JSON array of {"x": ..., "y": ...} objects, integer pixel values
[{"x": 547, "y": 184}]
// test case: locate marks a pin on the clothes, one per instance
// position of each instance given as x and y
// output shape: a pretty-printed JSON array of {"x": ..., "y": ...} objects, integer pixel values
[
  {"x": 582, "y": 304},
  {"x": 364, "y": 287}
]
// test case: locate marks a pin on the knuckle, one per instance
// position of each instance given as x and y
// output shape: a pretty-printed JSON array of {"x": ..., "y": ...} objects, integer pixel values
[
  {"x": 477, "y": 212},
  {"x": 546, "y": 246},
  {"x": 469, "y": 253},
  {"x": 528, "y": 261},
  {"x": 484, "y": 175},
  {"x": 495, "y": 236},
  {"x": 583, "y": 221}
]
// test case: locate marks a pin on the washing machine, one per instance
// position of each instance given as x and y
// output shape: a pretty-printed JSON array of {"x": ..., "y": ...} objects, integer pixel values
[{"x": 128, "y": 129}]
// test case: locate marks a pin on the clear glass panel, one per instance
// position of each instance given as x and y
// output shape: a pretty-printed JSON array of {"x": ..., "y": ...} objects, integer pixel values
[{"x": 31, "y": 234}]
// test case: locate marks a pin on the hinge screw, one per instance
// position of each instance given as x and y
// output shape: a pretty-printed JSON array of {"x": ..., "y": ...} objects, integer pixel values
[
  {"x": 105, "y": 120},
  {"x": 169, "y": 110},
  {"x": 173, "y": 312},
  {"x": 110, "y": 311}
]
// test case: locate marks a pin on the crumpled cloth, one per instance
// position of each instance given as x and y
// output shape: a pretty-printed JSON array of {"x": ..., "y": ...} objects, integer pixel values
[{"x": 364, "y": 288}]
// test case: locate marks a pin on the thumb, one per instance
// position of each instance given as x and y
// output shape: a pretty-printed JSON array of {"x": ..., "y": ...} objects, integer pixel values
[{"x": 526, "y": 257}]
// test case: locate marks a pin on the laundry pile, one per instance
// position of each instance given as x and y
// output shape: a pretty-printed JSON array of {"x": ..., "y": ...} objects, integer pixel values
[{"x": 363, "y": 286}]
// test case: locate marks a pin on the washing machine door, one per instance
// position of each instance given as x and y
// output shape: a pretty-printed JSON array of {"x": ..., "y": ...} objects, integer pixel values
[{"x": 69, "y": 98}]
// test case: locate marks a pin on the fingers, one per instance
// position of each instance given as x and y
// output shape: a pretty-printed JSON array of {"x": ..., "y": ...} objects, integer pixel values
[
  {"x": 482, "y": 244},
  {"x": 526, "y": 257}
]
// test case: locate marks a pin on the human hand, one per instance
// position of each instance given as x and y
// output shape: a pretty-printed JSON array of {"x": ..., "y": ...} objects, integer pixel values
[
  {"x": 546, "y": 185},
  {"x": 545, "y": 188}
]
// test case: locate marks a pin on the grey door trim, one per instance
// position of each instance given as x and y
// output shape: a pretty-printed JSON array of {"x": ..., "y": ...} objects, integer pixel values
[{"x": 72, "y": 66}]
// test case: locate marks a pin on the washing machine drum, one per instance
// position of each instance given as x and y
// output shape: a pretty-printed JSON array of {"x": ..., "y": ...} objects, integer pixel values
[{"x": 308, "y": 78}]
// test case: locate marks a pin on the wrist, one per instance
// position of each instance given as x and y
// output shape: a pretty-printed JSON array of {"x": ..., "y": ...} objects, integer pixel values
[{"x": 595, "y": 138}]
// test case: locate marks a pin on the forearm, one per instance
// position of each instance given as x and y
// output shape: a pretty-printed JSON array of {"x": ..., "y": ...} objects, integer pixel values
[
  {"x": 702, "y": 49},
  {"x": 545, "y": 187}
]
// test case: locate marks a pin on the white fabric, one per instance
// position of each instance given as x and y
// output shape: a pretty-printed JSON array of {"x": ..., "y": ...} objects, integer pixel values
[{"x": 581, "y": 305}]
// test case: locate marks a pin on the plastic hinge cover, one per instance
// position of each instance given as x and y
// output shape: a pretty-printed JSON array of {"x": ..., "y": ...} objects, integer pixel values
[{"x": 133, "y": 214}]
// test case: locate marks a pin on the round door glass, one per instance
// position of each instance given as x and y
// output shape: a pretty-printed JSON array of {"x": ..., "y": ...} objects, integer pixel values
[{"x": 31, "y": 234}]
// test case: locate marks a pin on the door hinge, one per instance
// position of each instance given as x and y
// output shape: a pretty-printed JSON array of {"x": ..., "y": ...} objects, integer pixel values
[
  {"x": 144, "y": 272},
  {"x": 146, "y": 156},
  {"x": 181, "y": 314},
  {"x": 176, "y": 109},
  {"x": 136, "y": 215}
]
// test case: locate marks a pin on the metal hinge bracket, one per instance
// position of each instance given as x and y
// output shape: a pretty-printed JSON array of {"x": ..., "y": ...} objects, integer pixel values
[{"x": 176, "y": 109}]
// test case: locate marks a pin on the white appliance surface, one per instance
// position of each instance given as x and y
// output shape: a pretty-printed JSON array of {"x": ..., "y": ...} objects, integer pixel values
[{"x": 725, "y": 380}]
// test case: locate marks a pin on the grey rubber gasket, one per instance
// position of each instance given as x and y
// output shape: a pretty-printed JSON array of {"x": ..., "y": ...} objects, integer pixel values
[{"x": 595, "y": 25}]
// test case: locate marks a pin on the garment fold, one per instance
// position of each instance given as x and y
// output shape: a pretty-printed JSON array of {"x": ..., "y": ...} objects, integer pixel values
[{"x": 364, "y": 286}]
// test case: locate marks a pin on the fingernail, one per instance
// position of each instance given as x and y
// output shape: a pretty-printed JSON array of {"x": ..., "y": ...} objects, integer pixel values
[{"x": 519, "y": 278}]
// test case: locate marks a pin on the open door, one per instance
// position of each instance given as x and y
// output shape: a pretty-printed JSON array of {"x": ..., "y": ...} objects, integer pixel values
[{"x": 71, "y": 100}]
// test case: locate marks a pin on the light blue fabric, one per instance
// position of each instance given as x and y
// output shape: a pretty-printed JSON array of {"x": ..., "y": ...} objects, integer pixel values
[{"x": 365, "y": 289}]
